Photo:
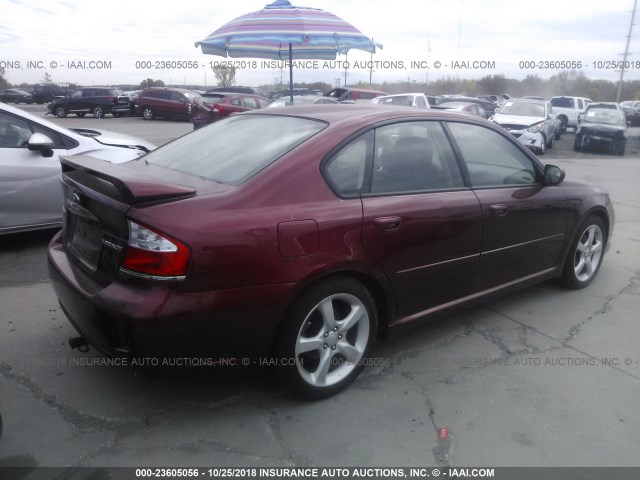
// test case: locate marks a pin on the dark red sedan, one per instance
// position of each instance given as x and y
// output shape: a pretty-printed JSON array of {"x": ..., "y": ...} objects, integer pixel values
[
  {"x": 219, "y": 105},
  {"x": 302, "y": 233}
]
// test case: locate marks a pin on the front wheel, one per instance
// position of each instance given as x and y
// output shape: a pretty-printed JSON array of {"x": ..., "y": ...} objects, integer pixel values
[
  {"x": 552, "y": 139},
  {"x": 60, "y": 111},
  {"x": 147, "y": 113},
  {"x": 585, "y": 254},
  {"x": 98, "y": 112},
  {"x": 328, "y": 333}
]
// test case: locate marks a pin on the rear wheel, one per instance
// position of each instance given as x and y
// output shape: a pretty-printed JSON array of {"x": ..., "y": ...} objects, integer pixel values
[
  {"x": 563, "y": 123},
  {"x": 98, "y": 112},
  {"x": 585, "y": 254},
  {"x": 147, "y": 113},
  {"x": 60, "y": 111},
  {"x": 328, "y": 333},
  {"x": 620, "y": 147}
]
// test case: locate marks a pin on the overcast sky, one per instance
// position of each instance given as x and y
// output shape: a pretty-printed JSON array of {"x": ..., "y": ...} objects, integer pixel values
[{"x": 501, "y": 31}]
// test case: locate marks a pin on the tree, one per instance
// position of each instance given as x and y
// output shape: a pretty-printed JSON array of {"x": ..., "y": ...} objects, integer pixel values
[
  {"x": 46, "y": 80},
  {"x": 150, "y": 82},
  {"x": 225, "y": 74},
  {"x": 492, "y": 85}
]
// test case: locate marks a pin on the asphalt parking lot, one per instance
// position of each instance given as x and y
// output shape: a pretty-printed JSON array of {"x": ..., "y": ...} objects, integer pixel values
[{"x": 544, "y": 377}]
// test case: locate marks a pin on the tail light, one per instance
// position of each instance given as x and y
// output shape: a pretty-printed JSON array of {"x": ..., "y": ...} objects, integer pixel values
[{"x": 154, "y": 255}]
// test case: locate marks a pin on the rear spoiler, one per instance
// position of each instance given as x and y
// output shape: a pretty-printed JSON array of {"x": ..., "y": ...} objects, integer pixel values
[{"x": 121, "y": 183}]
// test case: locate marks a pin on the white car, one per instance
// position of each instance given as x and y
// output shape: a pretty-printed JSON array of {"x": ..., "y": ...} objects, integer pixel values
[
  {"x": 418, "y": 100},
  {"x": 30, "y": 191},
  {"x": 532, "y": 122}
]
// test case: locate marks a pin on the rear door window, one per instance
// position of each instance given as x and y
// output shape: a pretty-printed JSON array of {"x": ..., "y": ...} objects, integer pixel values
[{"x": 491, "y": 159}]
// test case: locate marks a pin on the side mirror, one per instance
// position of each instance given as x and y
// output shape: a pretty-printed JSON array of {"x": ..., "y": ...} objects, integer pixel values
[
  {"x": 553, "y": 175},
  {"x": 39, "y": 142}
]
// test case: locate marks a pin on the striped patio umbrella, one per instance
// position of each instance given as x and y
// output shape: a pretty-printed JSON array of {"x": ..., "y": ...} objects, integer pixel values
[{"x": 281, "y": 31}]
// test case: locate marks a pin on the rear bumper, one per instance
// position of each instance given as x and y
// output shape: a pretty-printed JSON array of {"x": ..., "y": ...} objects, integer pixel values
[{"x": 158, "y": 320}]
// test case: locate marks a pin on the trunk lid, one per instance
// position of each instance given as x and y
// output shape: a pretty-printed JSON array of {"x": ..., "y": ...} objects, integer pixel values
[{"x": 97, "y": 197}]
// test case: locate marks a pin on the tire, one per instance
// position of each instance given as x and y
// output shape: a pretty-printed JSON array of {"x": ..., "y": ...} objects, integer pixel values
[
  {"x": 551, "y": 142},
  {"x": 621, "y": 147},
  {"x": 576, "y": 144},
  {"x": 558, "y": 134},
  {"x": 327, "y": 352},
  {"x": 60, "y": 111},
  {"x": 563, "y": 123},
  {"x": 98, "y": 112},
  {"x": 585, "y": 253},
  {"x": 148, "y": 114},
  {"x": 80, "y": 114}
]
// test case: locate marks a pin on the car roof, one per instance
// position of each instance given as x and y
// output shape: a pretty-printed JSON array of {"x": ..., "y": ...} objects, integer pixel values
[
  {"x": 363, "y": 114},
  {"x": 527, "y": 100},
  {"x": 400, "y": 95}
]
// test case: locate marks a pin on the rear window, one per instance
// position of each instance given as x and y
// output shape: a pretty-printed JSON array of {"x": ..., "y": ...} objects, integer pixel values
[
  {"x": 246, "y": 145},
  {"x": 562, "y": 102}
]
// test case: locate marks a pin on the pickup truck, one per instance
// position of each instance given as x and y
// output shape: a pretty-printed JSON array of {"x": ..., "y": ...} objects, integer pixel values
[{"x": 567, "y": 109}]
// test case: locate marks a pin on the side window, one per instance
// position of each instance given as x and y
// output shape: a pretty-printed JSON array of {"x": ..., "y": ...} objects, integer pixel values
[
  {"x": 14, "y": 132},
  {"x": 77, "y": 94},
  {"x": 236, "y": 101},
  {"x": 413, "y": 156},
  {"x": 491, "y": 159},
  {"x": 580, "y": 105},
  {"x": 346, "y": 171},
  {"x": 250, "y": 102},
  {"x": 177, "y": 97},
  {"x": 420, "y": 103}
]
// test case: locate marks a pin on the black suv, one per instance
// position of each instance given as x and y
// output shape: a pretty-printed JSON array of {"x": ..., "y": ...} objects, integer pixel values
[
  {"x": 98, "y": 101},
  {"x": 46, "y": 93}
]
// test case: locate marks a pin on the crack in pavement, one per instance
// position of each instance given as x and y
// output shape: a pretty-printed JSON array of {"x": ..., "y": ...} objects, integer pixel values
[
  {"x": 78, "y": 419},
  {"x": 442, "y": 450},
  {"x": 273, "y": 428},
  {"x": 192, "y": 447}
]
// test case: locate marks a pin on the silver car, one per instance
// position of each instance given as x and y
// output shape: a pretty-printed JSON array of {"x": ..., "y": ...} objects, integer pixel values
[
  {"x": 30, "y": 147},
  {"x": 532, "y": 122}
]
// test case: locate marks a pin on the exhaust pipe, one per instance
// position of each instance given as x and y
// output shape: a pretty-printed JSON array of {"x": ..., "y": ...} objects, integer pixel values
[{"x": 80, "y": 343}]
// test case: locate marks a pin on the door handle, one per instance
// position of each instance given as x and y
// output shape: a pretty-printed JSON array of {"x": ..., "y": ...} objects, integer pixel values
[
  {"x": 387, "y": 224},
  {"x": 499, "y": 210}
]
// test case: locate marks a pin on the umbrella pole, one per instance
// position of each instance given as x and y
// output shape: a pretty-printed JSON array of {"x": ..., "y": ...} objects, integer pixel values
[{"x": 290, "y": 72}]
